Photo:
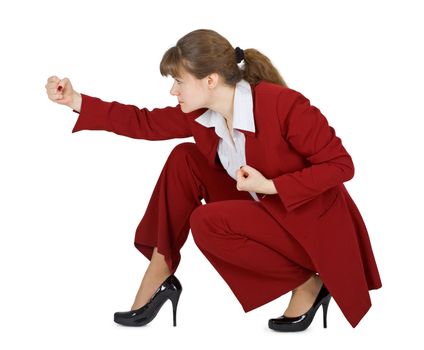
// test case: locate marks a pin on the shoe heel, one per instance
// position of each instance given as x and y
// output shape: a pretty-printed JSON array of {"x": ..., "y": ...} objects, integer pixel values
[
  {"x": 174, "y": 300},
  {"x": 324, "y": 312}
]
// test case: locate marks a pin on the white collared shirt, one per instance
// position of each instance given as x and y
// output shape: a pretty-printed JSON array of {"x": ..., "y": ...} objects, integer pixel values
[{"x": 233, "y": 155}]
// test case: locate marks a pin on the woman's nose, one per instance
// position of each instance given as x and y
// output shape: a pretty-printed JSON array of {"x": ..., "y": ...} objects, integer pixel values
[{"x": 173, "y": 90}]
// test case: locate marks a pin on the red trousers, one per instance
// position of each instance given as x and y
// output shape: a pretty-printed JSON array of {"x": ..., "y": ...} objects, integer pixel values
[{"x": 257, "y": 258}]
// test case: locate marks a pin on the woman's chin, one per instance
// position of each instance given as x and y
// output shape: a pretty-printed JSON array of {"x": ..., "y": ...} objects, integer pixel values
[{"x": 184, "y": 108}]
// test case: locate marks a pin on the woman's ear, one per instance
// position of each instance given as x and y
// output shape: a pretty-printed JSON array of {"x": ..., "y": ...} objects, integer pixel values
[{"x": 212, "y": 80}]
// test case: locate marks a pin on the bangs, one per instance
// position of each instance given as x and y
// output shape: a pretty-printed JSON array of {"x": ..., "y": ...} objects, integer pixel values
[{"x": 171, "y": 63}]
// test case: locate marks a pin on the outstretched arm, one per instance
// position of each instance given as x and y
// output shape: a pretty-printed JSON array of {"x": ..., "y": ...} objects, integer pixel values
[{"x": 122, "y": 119}]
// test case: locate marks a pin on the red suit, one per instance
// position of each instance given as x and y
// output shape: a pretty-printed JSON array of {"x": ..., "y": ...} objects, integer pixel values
[{"x": 262, "y": 249}]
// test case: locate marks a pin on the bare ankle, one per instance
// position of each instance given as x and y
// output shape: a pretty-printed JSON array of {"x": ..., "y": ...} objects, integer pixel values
[
  {"x": 311, "y": 285},
  {"x": 158, "y": 264}
]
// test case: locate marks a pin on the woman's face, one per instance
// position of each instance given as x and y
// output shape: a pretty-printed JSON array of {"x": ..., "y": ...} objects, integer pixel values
[{"x": 192, "y": 93}]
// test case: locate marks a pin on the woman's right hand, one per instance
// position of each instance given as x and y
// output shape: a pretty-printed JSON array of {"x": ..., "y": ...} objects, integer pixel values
[{"x": 61, "y": 91}]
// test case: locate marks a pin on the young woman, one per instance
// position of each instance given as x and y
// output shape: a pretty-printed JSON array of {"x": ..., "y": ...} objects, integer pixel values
[{"x": 271, "y": 170}]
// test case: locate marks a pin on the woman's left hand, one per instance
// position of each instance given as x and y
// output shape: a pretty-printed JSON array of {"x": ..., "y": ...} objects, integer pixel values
[{"x": 249, "y": 179}]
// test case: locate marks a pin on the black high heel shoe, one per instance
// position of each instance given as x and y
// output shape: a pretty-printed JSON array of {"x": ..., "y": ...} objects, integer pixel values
[
  {"x": 300, "y": 323},
  {"x": 170, "y": 289}
]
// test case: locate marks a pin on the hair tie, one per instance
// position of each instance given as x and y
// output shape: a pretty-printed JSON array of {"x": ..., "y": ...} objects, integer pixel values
[{"x": 239, "y": 54}]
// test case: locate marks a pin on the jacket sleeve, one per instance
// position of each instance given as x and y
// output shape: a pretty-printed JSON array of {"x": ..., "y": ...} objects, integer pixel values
[
  {"x": 131, "y": 121},
  {"x": 309, "y": 133}
]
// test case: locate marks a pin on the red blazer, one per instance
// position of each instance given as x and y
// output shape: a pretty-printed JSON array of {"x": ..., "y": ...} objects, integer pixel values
[{"x": 295, "y": 147}]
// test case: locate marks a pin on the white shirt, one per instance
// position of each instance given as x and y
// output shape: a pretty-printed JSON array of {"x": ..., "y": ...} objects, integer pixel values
[{"x": 233, "y": 155}]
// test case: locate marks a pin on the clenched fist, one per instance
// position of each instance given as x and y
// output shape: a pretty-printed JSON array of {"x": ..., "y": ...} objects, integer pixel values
[
  {"x": 62, "y": 92},
  {"x": 250, "y": 179}
]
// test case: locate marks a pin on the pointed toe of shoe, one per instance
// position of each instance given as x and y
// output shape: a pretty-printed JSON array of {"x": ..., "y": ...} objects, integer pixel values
[
  {"x": 287, "y": 324},
  {"x": 129, "y": 318}
]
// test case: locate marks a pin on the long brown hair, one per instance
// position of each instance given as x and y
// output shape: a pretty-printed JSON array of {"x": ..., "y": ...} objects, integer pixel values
[{"x": 204, "y": 51}]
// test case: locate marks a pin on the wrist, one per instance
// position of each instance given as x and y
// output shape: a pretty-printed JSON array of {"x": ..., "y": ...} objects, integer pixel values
[
  {"x": 270, "y": 187},
  {"x": 76, "y": 101}
]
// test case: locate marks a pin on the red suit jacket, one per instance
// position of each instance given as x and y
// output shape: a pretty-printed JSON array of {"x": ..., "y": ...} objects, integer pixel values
[{"x": 295, "y": 147}]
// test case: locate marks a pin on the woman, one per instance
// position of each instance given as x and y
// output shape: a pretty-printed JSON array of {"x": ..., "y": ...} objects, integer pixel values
[{"x": 277, "y": 216}]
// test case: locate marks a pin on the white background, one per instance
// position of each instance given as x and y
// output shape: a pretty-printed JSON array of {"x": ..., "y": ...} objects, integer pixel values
[{"x": 70, "y": 203}]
